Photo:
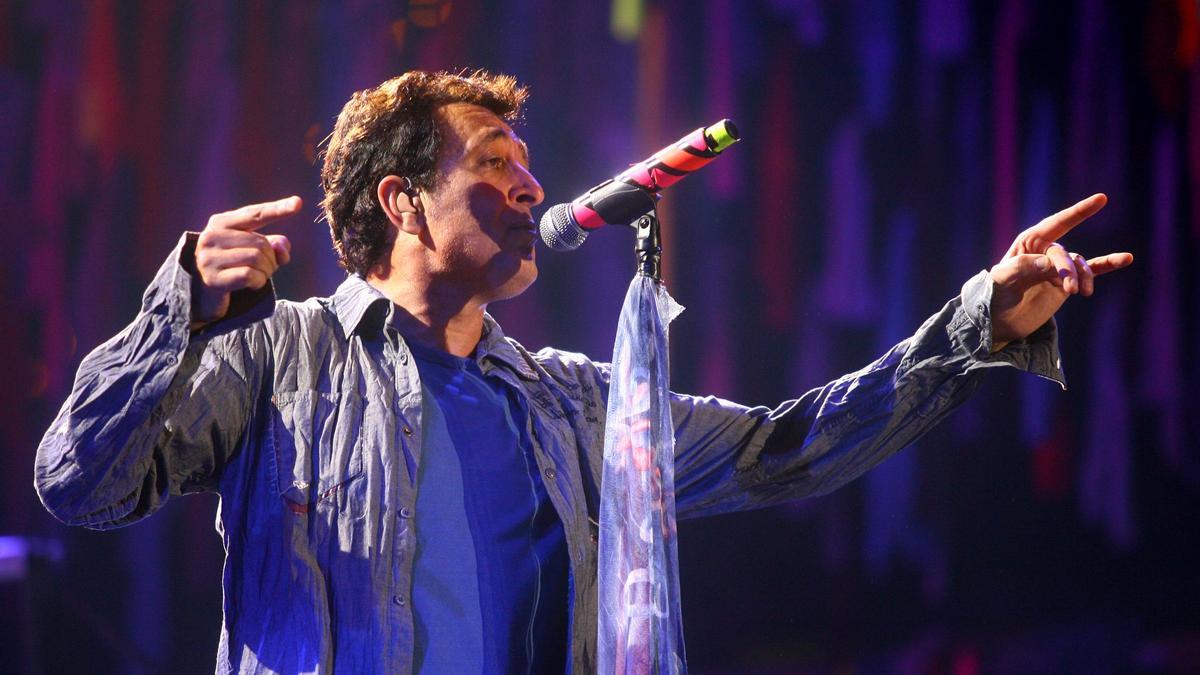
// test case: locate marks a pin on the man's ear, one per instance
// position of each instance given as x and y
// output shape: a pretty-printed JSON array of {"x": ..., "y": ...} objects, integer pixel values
[{"x": 401, "y": 203}]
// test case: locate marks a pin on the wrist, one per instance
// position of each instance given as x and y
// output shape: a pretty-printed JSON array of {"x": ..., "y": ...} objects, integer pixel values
[{"x": 207, "y": 306}]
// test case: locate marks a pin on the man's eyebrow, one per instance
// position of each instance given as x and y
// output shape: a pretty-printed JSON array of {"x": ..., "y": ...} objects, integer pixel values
[{"x": 495, "y": 133}]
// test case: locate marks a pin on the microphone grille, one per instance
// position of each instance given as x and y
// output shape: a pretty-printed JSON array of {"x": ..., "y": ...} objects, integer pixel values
[{"x": 559, "y": 229}]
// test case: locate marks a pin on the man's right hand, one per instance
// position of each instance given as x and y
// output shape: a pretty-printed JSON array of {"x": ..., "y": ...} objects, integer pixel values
[{"x": 232, "y": 256}]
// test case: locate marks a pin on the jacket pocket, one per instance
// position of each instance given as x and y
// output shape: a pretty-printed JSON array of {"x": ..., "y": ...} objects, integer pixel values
[{"x": 316, "y": 458}]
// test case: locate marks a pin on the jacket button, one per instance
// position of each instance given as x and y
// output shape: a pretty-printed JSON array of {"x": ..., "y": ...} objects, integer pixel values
[
  {"x": 399, "y": 600},
  {"x": 407, "y": 430},
  {"x": 405, "y": 512},
  {"x": 551, "y": 473},
  {"x": 404, "y": 359}
]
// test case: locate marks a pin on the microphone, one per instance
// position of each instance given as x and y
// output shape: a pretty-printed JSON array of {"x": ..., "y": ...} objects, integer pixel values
[{"x": 634, "y": 192}]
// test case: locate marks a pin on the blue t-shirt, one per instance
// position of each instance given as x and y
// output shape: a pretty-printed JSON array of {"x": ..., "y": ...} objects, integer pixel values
[{"x": 490, "y": 579}]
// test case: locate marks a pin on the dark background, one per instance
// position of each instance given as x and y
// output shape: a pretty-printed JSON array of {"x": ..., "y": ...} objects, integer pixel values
[{"x": 891, "y": 150}]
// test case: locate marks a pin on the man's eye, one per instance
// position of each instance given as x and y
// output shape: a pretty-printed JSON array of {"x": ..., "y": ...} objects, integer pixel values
[{"x": 495, "y": 162}]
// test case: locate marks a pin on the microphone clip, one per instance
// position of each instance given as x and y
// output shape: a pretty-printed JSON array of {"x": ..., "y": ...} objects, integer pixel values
[{"x": 649, "y": 246}]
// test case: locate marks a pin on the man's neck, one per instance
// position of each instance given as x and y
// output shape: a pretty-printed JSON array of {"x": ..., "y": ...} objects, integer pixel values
[{"x": 432, "y": 316}]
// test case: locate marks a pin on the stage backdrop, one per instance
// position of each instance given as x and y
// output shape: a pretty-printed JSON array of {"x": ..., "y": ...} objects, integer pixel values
[{"x": 891, "y": 150}]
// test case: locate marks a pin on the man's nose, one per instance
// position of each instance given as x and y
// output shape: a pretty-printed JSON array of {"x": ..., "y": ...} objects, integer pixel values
[{"x": 527, "y": 190}]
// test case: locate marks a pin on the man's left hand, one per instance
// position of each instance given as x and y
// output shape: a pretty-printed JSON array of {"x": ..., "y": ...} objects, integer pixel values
[{"x": 1038, "y": 274}]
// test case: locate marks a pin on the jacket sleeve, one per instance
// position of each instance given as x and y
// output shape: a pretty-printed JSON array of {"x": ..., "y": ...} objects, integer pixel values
[
  {"x": 730, "y": 457},
  {"x": 155, "y": 411}
]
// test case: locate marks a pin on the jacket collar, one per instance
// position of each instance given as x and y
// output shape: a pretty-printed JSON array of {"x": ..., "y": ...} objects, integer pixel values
[
  {"x": 360, "y": 308},
  {"x": 494, "y": 345}
]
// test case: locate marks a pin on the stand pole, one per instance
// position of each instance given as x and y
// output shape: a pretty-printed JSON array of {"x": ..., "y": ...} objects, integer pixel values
[{"x": 640, "y": 631}]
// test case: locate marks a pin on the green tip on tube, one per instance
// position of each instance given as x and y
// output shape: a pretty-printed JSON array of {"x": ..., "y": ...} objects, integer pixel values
[{"x": 721, "y": 135}]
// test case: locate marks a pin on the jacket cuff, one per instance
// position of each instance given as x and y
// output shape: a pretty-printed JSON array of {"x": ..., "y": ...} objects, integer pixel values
[
  {"x": 245, "y": 306},
  {"x": 1036, "y": 353}
]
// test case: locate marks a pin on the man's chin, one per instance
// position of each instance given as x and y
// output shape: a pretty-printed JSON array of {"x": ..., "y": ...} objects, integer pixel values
[{"x": 518, "y": 283}]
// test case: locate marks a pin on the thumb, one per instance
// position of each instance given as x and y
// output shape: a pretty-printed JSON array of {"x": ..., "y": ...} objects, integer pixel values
[
  {"x": 283, "y": 248},
  {"x": 1024, "y": 269}
]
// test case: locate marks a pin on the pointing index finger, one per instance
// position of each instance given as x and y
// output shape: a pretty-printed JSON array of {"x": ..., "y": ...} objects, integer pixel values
[
  {"x": 254, "y": 216},
  {"x": 1110, "y": 263},
  {"x": 1055, "y": 226}
]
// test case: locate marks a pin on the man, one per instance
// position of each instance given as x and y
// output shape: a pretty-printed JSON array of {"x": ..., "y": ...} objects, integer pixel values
[{"x": 402, "y": 488}]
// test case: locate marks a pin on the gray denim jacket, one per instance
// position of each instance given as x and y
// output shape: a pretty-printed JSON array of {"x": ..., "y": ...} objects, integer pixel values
[{"x": 306, "y": 419}]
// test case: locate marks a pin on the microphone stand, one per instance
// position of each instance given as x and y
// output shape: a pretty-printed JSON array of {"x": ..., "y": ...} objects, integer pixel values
[{"x": 640, "y": 630}]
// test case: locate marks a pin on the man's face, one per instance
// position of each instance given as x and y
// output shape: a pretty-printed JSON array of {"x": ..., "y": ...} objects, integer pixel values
[{"x": 479, "y": 219}]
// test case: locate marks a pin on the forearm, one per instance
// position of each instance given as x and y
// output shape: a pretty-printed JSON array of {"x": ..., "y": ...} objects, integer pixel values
[
  {"x": 833, "y": 434},
  {"x": 136, "y": 426}
]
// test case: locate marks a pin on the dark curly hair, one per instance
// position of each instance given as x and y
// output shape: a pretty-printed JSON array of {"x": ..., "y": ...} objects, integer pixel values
[{"x": 388, "y": 130}]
